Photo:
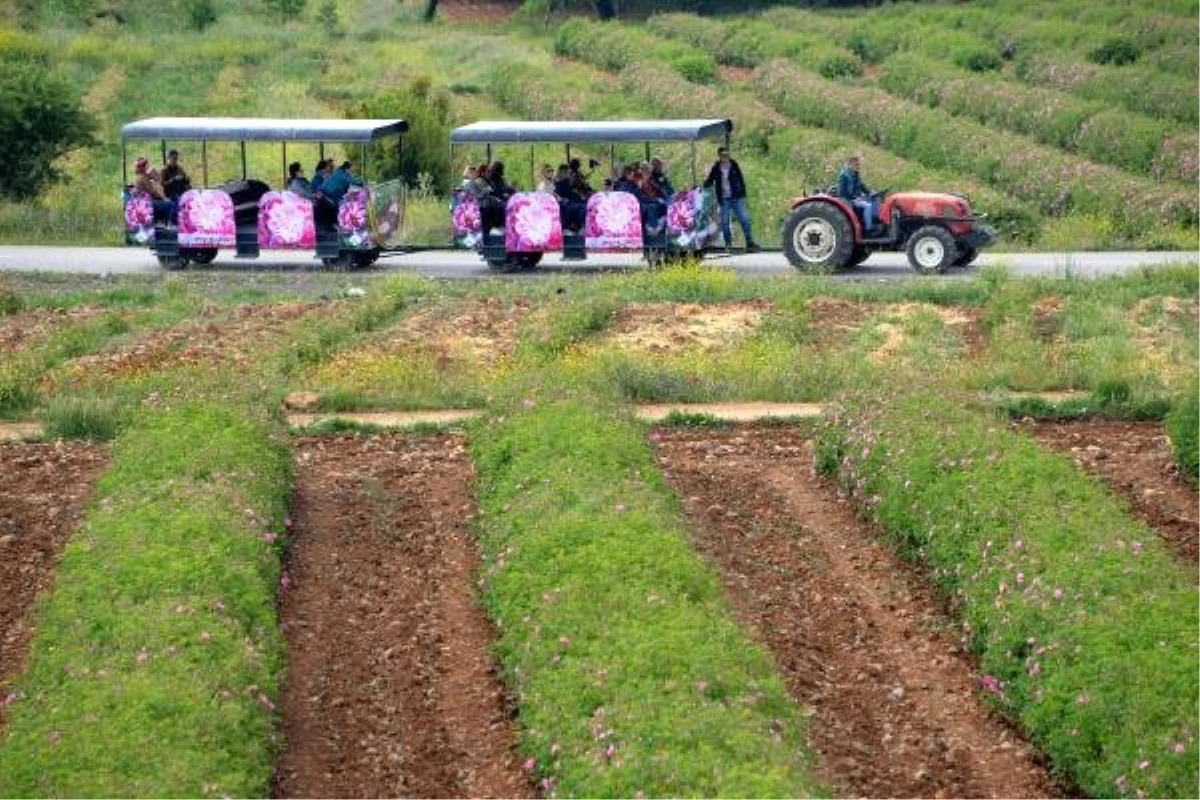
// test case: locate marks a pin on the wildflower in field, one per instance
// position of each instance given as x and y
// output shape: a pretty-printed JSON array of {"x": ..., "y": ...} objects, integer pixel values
[
  {"x": 1058, "y": 594},
  {"x": 1136, "y": 548},
  {"x": 992, "y": 684},
  {"x": 1178, "y": 748},
  {"x": 530, "y": 764}
]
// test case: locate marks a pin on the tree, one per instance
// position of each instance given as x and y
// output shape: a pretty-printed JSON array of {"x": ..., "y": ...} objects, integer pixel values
[
  {"x": 430, "y": 10},
  {"x": 41, "y": 120}
]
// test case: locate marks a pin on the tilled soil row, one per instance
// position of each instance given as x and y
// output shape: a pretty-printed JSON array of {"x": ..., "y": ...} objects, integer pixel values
[
  {"x": 1135, "y": 460},
  {"x": 390, "y": 690},
  {"x": 857, "y": 634},
  {"x": 44, "y": 490}
]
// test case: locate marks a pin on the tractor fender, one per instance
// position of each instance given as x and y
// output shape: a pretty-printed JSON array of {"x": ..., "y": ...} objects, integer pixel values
[{"x": 836, "y": 202}]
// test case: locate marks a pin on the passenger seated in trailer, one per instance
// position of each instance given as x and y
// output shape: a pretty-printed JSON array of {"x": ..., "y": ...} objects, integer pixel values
[
  {"x": 146, "y": 179},
  {"x": 546, "y": 179},
  {"x": 324, "y": 211},
  {"x": 469, "y": 173},
  {"x": 339, "y": 183},
  {"x": 492, "y": 204},
  {"x": 652, "y": 199},
  {"x": 297, "y": 183},
  {"x": 573, "y": 191},
  {"x": 175, "y": 180},
  {"x": 478, "y": 184},
  {"x": 626, "y": 181},
  {"x": 658, "y": 176}
]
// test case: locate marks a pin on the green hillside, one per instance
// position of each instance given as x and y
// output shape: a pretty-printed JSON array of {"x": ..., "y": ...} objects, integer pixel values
[{"x": 1075, "y": 129}]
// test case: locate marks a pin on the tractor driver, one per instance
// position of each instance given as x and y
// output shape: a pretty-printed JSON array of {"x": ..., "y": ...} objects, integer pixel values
[{"x": 850, "y": 187}]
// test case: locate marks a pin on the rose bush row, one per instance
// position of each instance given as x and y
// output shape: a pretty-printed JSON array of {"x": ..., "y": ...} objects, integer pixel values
[
  {"x": 611, "y": 46},
  {"x": 749, "y": 41},
  {"x": 1084, "y": 625},
  {"x": 1137, "y": 87},
  {"x": 1056, "y": 182},
  {"x": 1183, "y": 429},
  {"x": 1117, "y": 137}
]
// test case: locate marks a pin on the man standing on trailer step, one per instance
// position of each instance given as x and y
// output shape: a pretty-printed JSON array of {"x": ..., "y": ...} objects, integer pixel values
[{"x": 726, "y": 176}]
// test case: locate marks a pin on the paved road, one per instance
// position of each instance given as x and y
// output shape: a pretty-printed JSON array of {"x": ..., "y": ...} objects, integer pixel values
[{"x": 461, "y": 264}]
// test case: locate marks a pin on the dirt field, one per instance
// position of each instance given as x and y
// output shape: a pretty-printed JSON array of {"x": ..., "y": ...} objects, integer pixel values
[{"x": 391, "y": 690}]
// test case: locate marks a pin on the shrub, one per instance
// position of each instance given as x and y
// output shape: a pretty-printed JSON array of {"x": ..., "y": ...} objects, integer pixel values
[
  {"x": 979, "y": 60},
  {"x": 429, "y": 113},
  {"x": 1183, "y": 422},
  {"x": 695, "y": 67},
  {"x": 1116, "y": 51},
  {"x": 839, "y": 65},
  {"x": 200, "y": 13},
  {"x": 41, "y": 119},
  {"x": 286, "y": 9}
]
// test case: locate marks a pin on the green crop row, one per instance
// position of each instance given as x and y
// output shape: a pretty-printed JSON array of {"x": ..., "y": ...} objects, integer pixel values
[
  {"x": 1057, "y": 183},
  {"x": 1183, "y": 429},
  {"x": 1084, "y": 625},
  {"x": 1120, "y": 138},
  {"x": 155, "y": 660},
  {"x": 632, "y": 678}
]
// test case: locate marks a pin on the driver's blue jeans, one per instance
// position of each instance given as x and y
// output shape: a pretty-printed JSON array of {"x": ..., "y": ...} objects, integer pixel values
[{"x": 869, "y": 211}]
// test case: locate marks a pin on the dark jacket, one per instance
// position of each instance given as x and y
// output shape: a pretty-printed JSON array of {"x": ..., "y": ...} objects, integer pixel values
[
  {"x": 337, "y": 184},
  {"x": 737, "y": 183},
  {"x": 850, "y": 185}
]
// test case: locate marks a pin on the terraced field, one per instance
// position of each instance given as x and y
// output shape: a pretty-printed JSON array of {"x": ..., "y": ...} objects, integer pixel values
[{"x": 550, "y": 597}]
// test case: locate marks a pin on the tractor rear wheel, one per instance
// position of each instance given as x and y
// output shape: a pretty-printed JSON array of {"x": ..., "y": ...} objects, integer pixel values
[
  {"x": 858, "y": 256},
  {"x": 966, "y": 256},
  {"x": 931, "y": 249},
  {"x": 818, "y": 237}
]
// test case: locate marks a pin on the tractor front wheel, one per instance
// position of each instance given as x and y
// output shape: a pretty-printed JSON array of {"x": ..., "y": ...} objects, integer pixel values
[
  {"x": 818, "y": 238},
  {"x": 931, "y": 249}
]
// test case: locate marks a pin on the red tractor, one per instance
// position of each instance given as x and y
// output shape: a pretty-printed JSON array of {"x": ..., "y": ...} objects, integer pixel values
[{"x": 823, "y": 233}]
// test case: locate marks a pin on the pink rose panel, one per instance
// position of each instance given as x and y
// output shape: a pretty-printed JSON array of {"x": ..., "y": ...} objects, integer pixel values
[
  {"x": 206, "y": 219},
  {"x": 285, "y": 220},
  {"x": 533, "y": 223},
  {"x": 614, "y": 222}
]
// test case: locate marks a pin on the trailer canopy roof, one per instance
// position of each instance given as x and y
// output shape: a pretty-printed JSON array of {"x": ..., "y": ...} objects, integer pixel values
[
  {"x": 667, "y": 130},
  {"x": 249, "y": 129}
]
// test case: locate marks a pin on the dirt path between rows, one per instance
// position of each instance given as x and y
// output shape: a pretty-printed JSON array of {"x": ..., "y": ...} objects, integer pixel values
[
  {"x": 856, "y": 633},
  {"x": 391, "y": 690},
  {"x": 44, "y": 491},
  {"x": 1135, "y": 460}
]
